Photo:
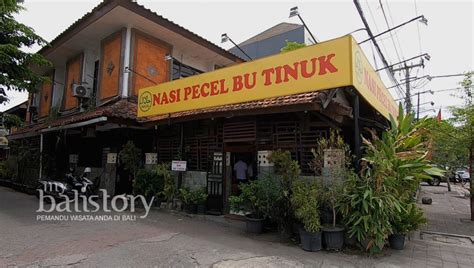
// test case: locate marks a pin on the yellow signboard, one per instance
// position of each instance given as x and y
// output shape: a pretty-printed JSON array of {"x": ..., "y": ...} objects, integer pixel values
[
  {"x": 369, "y": 84},
  {"x": 317, "y": 67}
]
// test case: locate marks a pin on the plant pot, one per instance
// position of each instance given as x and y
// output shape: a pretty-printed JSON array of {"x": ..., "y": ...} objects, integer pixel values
[
  {"x": 191, "y": 208},
  {"x": 285, "y": 231},
  {"x": 158, "y": 201},
  {"x": 177, "y": 204},
  {"x": 333, "y": 238},
  {"x": 350, "y": 240},
  {"x": 310, "y": 241},
  {"x": 365, "y": 243},
  {"x": 326, "y": 216},
  {"x": 201, "y": 209},
  {"x": 254, "y": 225},
  {"x": 396, "y": 241}
]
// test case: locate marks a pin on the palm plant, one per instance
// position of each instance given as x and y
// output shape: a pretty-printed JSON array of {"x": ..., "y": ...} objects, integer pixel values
[
  {"x": 398, "y": 160},
  {"x": 392, "y": 169}
]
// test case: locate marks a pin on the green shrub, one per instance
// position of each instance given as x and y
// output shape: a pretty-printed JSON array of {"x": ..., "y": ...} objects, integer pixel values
[
  {"x": 148, "y": 182},
  {"x": 410, "y": 219},
  {"x": 199, "y": 196},
  {"x": 258, "y": 197},
  {"x": 367, "y": 212},
  {"x": 306, "y": 200},
  {"x": 185, "y": 195}
]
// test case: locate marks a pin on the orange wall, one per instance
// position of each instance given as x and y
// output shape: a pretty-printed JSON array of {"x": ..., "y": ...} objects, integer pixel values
[
  {"x": 111, "y": 56},
  {"x": 148, "y": 58},
  {"x": 73, "y": 76},
  {"x": 46, "y": 96}
]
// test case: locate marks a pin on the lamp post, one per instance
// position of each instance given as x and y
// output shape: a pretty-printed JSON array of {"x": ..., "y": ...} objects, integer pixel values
[
  {"x": 294, "y": 12},
  {"x": 225, "y": 38}
]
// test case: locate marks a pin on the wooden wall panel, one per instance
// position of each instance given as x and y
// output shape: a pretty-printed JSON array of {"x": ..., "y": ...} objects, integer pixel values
[
  {"x": 73, "y": 76},
  {"x": 46, "y": 97},
  {"x": 149, "y": 61},
  {"x": 111, "y": 66}
]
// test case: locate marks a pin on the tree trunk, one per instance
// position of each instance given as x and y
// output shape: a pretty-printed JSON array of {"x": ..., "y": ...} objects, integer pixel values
[{"x": 471, "y": 185}]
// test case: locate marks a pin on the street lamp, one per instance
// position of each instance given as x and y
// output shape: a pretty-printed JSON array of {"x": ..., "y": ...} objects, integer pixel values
[
  {"x": 294, "y": 12},
  {"x": 225, "y": 38}
]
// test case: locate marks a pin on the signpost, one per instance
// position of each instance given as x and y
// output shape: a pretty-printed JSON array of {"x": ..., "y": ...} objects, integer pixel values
[{"x": 178, "y": 165}]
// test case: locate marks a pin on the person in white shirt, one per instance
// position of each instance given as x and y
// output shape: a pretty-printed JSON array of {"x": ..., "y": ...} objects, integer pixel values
[{"x": 240, "y": 168}]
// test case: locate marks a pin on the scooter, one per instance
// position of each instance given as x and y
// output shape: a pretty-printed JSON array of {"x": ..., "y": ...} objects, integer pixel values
[{"x": 59, "y": 190}]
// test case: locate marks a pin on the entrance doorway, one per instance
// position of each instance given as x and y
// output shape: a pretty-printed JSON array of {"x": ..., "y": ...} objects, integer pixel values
[{"x": 241, "y": 166}]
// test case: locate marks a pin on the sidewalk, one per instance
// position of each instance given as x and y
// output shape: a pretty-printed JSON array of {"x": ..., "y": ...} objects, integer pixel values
[{"x": 450, "y": 211}]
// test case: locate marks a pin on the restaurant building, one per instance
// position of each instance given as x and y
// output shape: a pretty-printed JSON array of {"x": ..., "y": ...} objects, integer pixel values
[{"x": 179, "y": 97}]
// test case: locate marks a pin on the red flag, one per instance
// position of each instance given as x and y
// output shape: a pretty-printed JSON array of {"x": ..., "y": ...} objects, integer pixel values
[{"x": 438, "y": 117}]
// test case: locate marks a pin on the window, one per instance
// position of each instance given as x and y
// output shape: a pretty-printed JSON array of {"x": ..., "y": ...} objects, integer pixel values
[{"x": 181, "y": 70}]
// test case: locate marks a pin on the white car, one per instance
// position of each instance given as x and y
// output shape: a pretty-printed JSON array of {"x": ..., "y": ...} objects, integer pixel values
[{"x": 463, "y": 174}]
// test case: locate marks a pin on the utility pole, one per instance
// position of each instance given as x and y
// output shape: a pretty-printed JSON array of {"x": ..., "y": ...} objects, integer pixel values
[
  {"x": 407, "y": 68},
  {"x": 418, "y": 107}
]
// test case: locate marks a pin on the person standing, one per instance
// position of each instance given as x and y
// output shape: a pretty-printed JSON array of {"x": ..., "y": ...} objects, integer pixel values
[{"x": 240, "y": 169}]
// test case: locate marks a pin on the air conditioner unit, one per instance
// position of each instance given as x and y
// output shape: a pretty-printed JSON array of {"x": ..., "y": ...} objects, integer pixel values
[{"x": 81, "y": 91}]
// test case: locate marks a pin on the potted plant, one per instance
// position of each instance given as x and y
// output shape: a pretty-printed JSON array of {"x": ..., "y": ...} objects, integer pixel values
[
  {"x": 305, "y": 201},
  {"x": 409, "y": 219},
  {"x": 333, "y": 235},
  {"x": 169, "y": 190},
  {"x": 257, "y": 199},
  {"x": 149, "y": 183},
  {"x": 188, "y": 200},
  {"x": 200, "y": 198},
  {"x": 287, "y": 171}
]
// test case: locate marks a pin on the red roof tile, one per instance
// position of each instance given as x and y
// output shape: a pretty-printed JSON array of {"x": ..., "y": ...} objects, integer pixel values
[
  {"x": 122, "y": 109},
  {"x": 303, "y": 98}
]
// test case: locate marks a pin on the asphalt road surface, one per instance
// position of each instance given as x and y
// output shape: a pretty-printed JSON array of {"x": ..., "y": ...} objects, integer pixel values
[{"x": 164, "y": 239}]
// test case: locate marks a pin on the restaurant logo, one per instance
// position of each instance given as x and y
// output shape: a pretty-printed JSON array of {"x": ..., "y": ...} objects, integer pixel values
[
  {"x": 144, "y": 101},
  {"x": 359, "y": 68}
]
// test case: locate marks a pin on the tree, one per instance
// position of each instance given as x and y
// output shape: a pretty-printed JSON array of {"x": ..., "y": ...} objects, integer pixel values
[
  {"x": 447, "y": 151},
  {"x": 464, "y": 117},
  {"x": 11, "y": 120},
  {"x": 15, "y": 64},
  {"x": 290, "y": 46}
]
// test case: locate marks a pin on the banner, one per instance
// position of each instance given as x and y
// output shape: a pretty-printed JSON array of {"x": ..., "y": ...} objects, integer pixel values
[{"x": 317, "y": 67}]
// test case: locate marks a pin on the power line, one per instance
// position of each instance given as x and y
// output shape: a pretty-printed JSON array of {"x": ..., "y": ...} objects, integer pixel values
[
  {"x": 377, "y": 47},
  {"x": 388, "y": 27},
  {"x": 395, "y": 33},
  {"x": 418, "y": 27}
]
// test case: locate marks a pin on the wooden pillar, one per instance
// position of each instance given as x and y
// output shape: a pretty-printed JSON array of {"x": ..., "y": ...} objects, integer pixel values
[{"x": 357, "y": 138}]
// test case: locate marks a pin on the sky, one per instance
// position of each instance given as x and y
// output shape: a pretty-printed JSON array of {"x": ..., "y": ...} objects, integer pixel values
[{"x": 448, "y": 38}]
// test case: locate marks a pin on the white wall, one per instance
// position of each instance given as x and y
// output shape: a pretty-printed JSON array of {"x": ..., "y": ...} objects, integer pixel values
[
  {"x": 90, "y": 57},
  {"x": 202, "y": 65},
  {"x": 58, "y": 88}
]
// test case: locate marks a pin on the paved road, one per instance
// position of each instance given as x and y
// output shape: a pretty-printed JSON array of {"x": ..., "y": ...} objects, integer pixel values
[{"x": 169, "y": 240}]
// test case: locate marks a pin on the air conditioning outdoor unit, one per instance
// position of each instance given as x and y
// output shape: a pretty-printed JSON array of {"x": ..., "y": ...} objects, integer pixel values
[{"x": 81, "y": 91}]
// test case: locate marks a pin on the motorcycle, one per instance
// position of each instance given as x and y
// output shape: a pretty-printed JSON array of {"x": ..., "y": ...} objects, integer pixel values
[{"x": 59, "y": 190}]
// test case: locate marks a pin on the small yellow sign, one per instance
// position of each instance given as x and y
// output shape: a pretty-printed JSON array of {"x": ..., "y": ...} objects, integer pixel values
[{"x": 317, "y": 67}]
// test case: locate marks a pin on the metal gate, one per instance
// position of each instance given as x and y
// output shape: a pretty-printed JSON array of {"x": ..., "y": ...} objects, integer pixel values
[{"x": 215, "y": 185}]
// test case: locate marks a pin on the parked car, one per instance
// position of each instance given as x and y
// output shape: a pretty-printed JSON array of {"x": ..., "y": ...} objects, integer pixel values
[
  {"x": 436, "y": 180},
  {"x": 463, "y": 174}
]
